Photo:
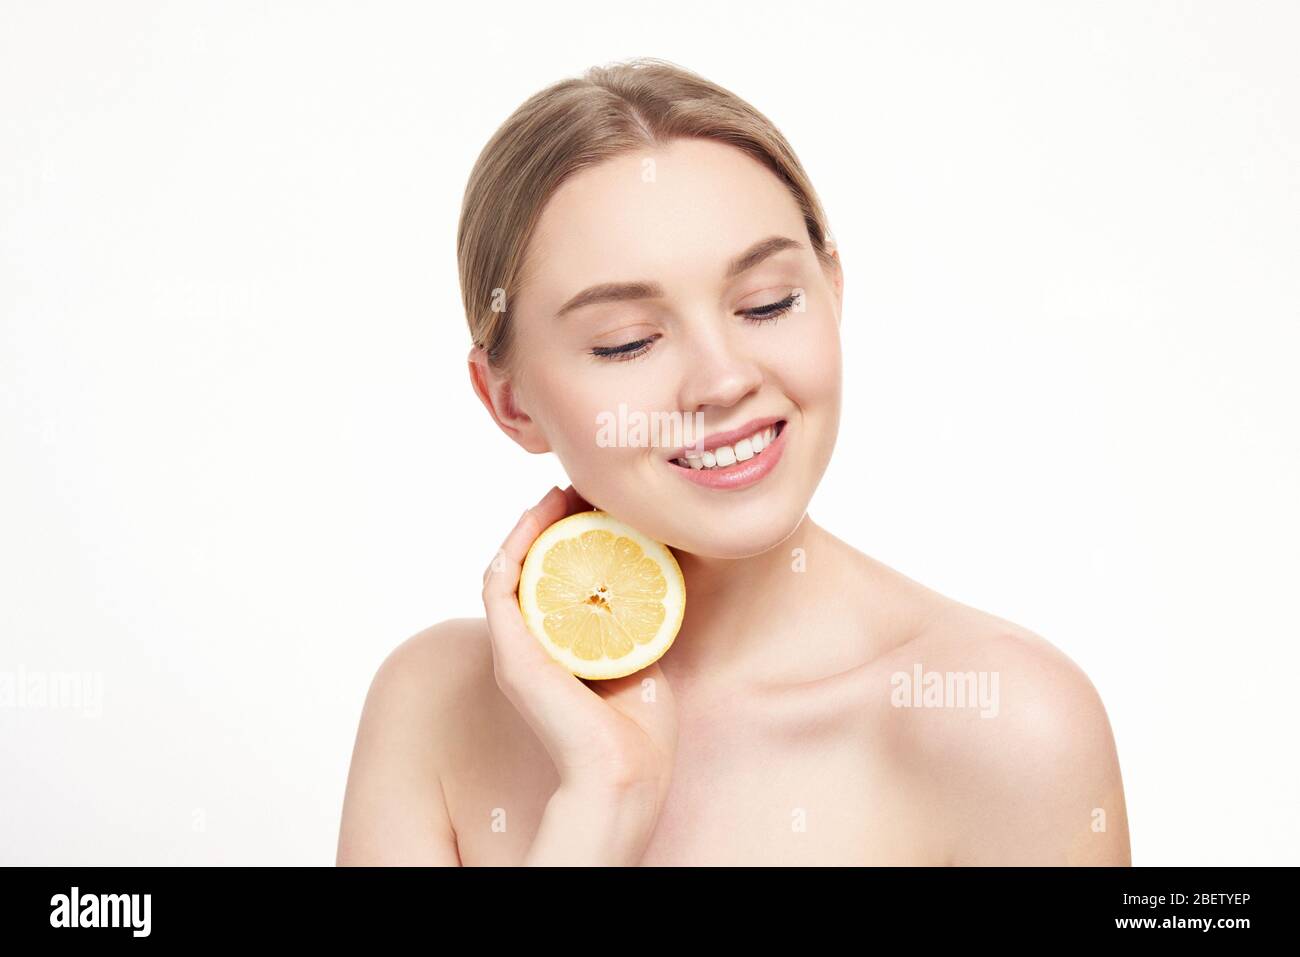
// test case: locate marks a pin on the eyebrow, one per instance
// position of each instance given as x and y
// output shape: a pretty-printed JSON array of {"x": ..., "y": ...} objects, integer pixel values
[{"x": 645, "y": 289}]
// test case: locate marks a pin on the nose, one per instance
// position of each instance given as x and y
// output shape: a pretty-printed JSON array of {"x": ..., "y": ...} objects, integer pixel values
[{"x": 720, "y": 369}]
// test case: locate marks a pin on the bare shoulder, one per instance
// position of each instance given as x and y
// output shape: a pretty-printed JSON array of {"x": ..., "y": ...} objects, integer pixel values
[
  {"x": 431, "y": 673},
  {"x": 1011, "y": 740},
  {"x": 438, "y": 659},
  {"x": 395, "y": 809}
]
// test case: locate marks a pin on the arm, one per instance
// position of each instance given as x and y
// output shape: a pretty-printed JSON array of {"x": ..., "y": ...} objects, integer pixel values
[
  {"x": 602, "y": 827},
  {"x": 394, "y": 810}
]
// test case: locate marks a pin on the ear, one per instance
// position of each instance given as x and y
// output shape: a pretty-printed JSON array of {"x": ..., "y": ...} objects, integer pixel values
[
  {"x": 496, "y": 391},
  {"x": 836, "y": 276}
]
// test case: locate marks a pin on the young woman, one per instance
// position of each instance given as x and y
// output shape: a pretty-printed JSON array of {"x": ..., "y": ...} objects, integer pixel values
[{"x": 643, "y": 236}]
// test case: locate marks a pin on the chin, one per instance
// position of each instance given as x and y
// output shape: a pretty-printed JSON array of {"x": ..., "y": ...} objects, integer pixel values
[
  {"x": 729, "y": 528},
  {"x": 746, "y": 543}
]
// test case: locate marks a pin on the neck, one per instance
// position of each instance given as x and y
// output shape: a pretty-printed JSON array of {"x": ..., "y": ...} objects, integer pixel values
[{"x": 740, "y": 612}]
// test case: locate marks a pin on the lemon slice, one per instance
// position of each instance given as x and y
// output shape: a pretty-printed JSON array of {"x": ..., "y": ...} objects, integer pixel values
[{"x": 604, "y": 600}]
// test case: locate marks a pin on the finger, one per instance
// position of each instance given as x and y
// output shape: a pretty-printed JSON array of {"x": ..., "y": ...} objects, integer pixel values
[
  {"x": 505, "y": 623},
  {"x": 575, "y": 502}
]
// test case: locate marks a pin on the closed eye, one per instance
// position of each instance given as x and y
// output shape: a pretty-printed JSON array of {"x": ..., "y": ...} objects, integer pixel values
[
  {"x": 628, "y": 350},
  {"x": 632, "y": 350},
  {"x": 773, "y": 310}
]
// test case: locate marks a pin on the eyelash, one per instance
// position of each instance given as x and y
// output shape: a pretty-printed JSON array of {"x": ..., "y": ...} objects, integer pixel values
[{"x": 633, "y": 350}]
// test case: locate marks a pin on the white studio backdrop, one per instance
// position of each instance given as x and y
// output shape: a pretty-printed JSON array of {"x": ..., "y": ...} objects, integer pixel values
[{"x": 241, "y": 459}]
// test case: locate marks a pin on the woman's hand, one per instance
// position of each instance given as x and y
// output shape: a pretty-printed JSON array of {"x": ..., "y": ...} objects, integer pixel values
[{"x": 612, "y": 743}]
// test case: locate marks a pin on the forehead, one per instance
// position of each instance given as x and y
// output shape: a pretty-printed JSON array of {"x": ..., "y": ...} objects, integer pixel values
[{"x": 677, "y": 214}]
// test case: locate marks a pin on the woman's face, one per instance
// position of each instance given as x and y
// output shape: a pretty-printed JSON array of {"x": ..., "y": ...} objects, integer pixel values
[{"x": 679, "y": 221}]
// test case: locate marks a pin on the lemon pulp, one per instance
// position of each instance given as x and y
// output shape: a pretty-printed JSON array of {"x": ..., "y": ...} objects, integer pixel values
[{"x": 603, "y": 599}]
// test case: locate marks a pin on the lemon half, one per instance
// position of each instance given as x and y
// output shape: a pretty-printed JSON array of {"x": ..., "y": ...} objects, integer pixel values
[{"x": 604, "y": 600}]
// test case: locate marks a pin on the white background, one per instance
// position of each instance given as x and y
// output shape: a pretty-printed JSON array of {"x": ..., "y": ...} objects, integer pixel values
[{"x": 242, "y": 461}]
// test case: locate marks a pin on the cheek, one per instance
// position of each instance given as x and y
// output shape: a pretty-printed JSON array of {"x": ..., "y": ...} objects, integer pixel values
[
  {"x": 577, "y": 413},
  {"x": 571, "y": 417},
  {"x": 807, "y": 355}
]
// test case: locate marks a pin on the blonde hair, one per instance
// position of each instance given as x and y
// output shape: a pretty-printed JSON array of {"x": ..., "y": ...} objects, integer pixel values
[{"x": 576, "y": 123}]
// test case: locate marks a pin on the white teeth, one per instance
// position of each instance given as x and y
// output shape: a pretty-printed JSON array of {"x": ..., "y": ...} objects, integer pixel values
[{"x": 725, "y": 455}]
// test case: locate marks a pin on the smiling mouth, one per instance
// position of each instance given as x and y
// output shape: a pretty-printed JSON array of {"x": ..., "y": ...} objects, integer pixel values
[{"x": 725, "y": 456}]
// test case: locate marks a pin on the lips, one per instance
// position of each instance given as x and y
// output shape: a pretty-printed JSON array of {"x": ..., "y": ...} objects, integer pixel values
[
  {"x": 719, "y": 455},
  {"x": 742, "y": 473},
  {"x": 730, "y": 437}
]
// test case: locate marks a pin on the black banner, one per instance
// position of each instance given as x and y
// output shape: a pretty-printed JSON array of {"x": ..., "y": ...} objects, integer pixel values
[{"x": 237, "y": 905}]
